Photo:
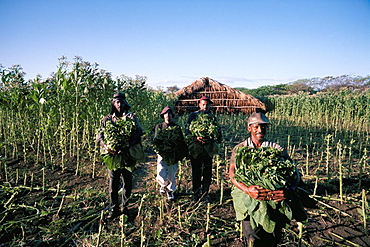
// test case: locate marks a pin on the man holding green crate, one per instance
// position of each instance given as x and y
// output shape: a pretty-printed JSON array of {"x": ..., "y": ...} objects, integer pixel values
[
  {"x": 120, "y": 140},
  {"x": 264, "y": 179}
]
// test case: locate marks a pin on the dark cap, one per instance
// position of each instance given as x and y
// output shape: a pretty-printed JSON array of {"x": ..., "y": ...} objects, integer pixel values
[
  {"x": 258, "y": 118},
  {"x": 121, "y": 97},
  {"x": 167, "y": 109},
  {"x": 207, "y": 99}
]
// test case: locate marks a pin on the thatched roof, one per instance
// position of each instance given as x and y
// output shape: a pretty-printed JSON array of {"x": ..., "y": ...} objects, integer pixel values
[{"x": 225, "y": 98}]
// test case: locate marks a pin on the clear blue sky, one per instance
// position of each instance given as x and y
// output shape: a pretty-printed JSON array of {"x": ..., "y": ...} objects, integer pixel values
[{"x": 246, "y": 43}]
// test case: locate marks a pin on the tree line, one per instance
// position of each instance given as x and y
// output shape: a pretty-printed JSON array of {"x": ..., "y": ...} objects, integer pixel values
[{"x": 312, "y": 86}]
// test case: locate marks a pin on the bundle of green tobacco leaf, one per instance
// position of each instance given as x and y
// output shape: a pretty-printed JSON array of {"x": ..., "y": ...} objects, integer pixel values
[
  {"x": 266, "y": 167},
  {"x": 117, "y": 135},
  {"x": 204, "y": 126},
  {"x": 169, "y": 143}
]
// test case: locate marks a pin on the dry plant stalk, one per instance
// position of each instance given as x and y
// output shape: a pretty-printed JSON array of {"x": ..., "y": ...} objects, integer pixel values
[
  {"x": 100, "y": 228},
  {"x": 123, "y": 221},
  {"x": 60, "y": 206},
  {"x": 208, "y": 211},
  {"x": 335, "y": 209},
  {"x": 364, "y": 209},
  {"x": 343, "y": 239},
  {"x": 179, "y": 215}
]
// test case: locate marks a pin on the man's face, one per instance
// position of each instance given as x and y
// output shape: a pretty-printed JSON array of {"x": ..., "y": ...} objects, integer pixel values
[
  {"x": 167, "y": 117},
  {"x": 204, "y": 105},
  {"x": 258, "y": 131},
  {"x": 119, "y": 105}
]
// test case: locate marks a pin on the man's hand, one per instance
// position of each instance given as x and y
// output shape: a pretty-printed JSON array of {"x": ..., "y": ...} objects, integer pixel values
[
  {"x": 259, "y": 193},
  {"x": 278, "y": 195},
  {"x": 202, "y": 139},
  {"x": 111, "y": 151}
]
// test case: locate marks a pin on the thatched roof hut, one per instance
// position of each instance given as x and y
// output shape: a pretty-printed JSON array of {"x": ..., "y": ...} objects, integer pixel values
[{"x": 225, "y": 98}]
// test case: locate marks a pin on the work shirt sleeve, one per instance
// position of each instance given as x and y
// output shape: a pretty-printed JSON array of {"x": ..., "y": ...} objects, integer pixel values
[
  {"x": 100, "y": 135},
  {"x": 191, "y": 117}
]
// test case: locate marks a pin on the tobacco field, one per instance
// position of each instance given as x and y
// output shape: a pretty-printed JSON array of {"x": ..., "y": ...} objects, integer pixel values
[{"x": 54, "y": 187}]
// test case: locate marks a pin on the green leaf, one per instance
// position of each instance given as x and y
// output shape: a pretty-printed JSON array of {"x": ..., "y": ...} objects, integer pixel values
[
  {"x": 113, "y": 161},
  {"x": 265, "y": 167}
]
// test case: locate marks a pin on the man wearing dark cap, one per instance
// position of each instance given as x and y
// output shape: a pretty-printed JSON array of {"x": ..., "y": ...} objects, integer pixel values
[
  {"x": 119, "y": 110},
  {"x": 202, "y": 165},
  {"x": 257, "y": 126},
  {"x": 176, "y": 149}
]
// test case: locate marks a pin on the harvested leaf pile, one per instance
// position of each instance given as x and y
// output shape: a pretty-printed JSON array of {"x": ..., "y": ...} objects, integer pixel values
[
  {"x": 266, "y": 167},
  {"x": 169, "y": 143},
  {"x": 117, "y": 136},
  {"x": 204, "y": 126}
]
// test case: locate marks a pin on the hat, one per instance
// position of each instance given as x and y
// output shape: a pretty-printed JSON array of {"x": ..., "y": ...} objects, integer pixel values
[
  {"x": 207, "y": 99},
  {"x": 118, "y": 96},
  {"x": 165, "y": 110},
  {"x": 121, "y": 97},
  {"x": 258, "y": 118}
]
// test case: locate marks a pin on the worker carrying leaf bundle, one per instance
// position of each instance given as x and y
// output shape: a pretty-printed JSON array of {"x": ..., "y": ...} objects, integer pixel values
[
  {"x": 203, "y": 136},
  {"x": 265, "y": 181},
  {"x": 170, "y": 146},
  {"x": 120, "y": 140}
]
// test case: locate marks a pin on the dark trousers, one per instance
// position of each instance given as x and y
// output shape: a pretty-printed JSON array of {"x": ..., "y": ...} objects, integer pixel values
[
  {"x": 260, "y": 238},
  {"x": 202, "y": 173},
  {"x": 115, "y": 178}
]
